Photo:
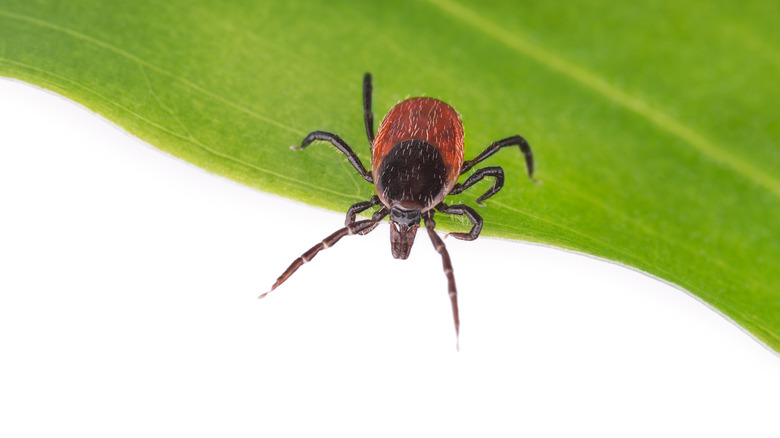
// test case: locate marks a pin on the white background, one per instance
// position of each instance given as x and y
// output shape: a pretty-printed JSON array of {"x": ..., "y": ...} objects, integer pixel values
[{"x": 128, "y": 285}]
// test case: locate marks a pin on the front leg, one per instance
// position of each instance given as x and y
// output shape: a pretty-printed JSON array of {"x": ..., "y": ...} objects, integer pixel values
[
  {"x": 469, "y": 212},
  {"x": 359, "y": 228},
  {"x": 359, "y": 208},
  {"x": 452, "y": 291},
  {"x": 363, "y": 206}
]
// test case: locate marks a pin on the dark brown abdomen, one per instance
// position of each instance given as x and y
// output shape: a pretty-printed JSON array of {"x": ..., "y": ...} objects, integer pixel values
[{"x": 414, "y": 126}]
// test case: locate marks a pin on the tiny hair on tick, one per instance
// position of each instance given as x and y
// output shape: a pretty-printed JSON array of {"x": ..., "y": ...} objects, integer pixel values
[{"x": 416, "y": 160}]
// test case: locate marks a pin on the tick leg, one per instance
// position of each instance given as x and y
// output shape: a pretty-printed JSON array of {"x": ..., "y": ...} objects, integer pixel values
[
  {"x": 359, "y": 208},
  {"x": 367, "y": 114},
  {"x": 353, "y": 228},
  {"x": 498, "y": 183},
  {"x": 438, "y": 245},
  {"x": 469, "y": 212},
  {"x": 362, "y": 206},
  {"x": 493, "y": 148},
  {"x": 340, "y": 145}
]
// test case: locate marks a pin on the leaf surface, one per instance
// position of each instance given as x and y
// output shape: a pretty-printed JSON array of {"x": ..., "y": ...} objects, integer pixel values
[{"x": 655, "y": 127}]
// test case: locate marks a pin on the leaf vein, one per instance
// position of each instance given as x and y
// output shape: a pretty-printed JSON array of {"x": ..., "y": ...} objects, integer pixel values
[
  {"x": 180, "y": 136},
  {"x": 594, "y": 82},
  {"x": 151, "y": 66}
]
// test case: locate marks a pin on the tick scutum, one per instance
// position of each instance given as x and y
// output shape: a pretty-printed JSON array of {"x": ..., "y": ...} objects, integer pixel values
[{"x": 412, "y": 175}]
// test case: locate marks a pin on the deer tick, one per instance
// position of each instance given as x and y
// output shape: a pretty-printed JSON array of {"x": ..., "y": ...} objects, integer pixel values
[{"x": 416, "y": 160}]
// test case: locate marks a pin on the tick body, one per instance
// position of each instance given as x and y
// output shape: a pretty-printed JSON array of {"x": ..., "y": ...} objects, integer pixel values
[
  {"x": 416, "y": 157},
  {"x": 420, "y": 143},
  {"x": 416, "y": 161}
]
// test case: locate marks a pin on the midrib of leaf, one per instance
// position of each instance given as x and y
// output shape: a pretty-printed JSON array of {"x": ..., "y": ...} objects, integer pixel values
[
  {"x": 603, "y": 88},
  {"x": 522, "y": 46}
]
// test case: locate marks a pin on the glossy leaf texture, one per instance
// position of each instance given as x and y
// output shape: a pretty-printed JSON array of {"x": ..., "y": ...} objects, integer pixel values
[{"x": 655, "y": 125}]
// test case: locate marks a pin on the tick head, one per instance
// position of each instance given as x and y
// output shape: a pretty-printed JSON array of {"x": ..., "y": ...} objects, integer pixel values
[{"x": 403, "y": 227}]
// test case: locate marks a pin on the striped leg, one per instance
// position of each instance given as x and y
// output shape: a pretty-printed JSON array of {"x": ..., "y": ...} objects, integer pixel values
[
  {"x": 438, "y": 244},
  {"x": 353, "y": 228}
]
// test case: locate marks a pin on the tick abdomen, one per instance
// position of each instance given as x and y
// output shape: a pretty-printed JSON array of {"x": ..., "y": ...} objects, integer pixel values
[{"x": 418, "y": 152}]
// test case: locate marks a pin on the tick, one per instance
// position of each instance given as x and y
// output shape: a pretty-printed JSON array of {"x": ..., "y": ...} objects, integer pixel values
[{"x": 416, "y": 160}]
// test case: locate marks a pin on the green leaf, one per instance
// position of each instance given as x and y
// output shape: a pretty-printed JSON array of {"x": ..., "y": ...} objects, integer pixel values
[{"x": 655, "y": 126}]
